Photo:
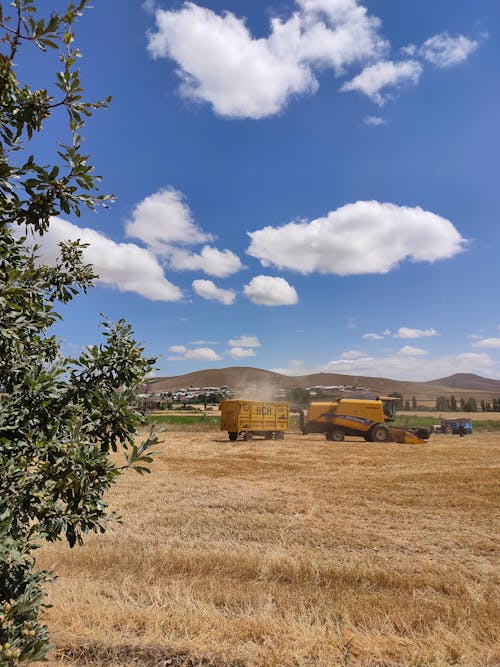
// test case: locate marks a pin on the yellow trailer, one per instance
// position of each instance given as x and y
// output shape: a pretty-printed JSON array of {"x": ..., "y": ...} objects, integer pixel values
[{"x": 249, "y": 418}]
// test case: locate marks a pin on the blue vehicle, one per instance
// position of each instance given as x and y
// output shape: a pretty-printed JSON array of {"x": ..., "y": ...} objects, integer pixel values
[{"x": 456, "y": 426}]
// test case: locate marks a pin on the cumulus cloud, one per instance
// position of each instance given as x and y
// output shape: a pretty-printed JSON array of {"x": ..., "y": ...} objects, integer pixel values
[
  {"x": 372, "y": 336},
  {"x": 208, "y": 290},
  {"x": 410, "y": 351},
  {"x": 164, "y": 218},
  {"x": 359, "y": 238},
  {"x": 181, "y": 353},
  {"x": 412, "y": 366},
  {"x": 445, "y": 51},
  {"x": 374, "y": 121},
  {"x": 219, "y": 263},
  {"x": 124, "y": 266},
  {"x": 487, "y": 343},
  {"x": 407, "y": 332},
  {"x": 164, "y": 222},
  {"x": 352, "y": 354},
  {"x": 240, "y": 352},
  {"x": 221, "y": 63},
  {"x": 382, "y": 75},
  {"x": 270, "y": 291},
  {"x": 244, "y": 341}
]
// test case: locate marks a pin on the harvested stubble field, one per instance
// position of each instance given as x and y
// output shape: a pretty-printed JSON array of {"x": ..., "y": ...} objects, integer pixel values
[{"x": 289, "y": 553}]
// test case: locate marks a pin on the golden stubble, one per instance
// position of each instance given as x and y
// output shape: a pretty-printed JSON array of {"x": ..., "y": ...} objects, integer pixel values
[{"x": 289, "y": 553}]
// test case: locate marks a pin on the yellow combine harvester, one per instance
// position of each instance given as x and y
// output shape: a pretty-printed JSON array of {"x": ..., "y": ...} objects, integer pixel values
[
  {"x": 368, "y": 418},
  {"x": 249, "y": 418}
]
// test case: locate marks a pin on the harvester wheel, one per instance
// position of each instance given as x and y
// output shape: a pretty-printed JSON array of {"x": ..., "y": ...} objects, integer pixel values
[
  {"x": 337, "y": 435},
  {"x": 233, "y": 436},
  {"x": 279, "y": 435},
  {"x": 248, "y": 436},
  {"x": 268, "y": 435},
  {"x": 380, "y": 433}
]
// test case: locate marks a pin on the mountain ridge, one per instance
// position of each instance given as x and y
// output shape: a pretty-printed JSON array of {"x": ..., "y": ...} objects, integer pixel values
[{"x": 250, "y": 379}]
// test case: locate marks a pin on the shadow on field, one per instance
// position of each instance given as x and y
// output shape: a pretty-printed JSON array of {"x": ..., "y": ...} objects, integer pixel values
[{"x": 93, "y": 653}]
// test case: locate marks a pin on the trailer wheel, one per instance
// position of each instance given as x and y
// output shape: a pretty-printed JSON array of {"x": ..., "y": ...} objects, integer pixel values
[
  {"x": 232, "y": 436},
  {"x": 380, "y": 433},
  {"x": 248, "y": 436},
  {"x": 279, "y": 435},
  {"x": 334, "y": 435}
]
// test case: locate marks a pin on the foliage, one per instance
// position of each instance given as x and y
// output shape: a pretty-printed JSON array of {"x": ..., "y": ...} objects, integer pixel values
[
  {"x": 400, "y": 402},
  {"x": 59, "y": 417},
  {"x": 298, "y": 396},
  {"x": 449, "y": 404}
]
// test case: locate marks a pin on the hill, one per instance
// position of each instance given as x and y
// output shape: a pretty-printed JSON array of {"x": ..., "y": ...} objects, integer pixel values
[
  {"x": 260, "y": 383},
  {"x": 468, "y": 381}
]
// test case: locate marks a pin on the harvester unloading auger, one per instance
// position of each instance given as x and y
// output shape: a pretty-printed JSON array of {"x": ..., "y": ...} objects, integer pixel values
[{"x": 368, "y": 418}]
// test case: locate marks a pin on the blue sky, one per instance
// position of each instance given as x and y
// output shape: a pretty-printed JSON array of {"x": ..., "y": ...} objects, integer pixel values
[{"x": 301, "y": 186}]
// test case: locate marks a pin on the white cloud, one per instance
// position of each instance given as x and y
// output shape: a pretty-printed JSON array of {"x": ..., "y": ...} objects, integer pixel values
[
  {"x": 487, "y": 343},
  {"x": 372, "y": 336},
  {"x": 219, "y": 263},
  {"x": 181, "y": 353},
  {"x": 445, "y": 51},
  {"x": 409, "y": 50},
  {"x": 208, "y": 290},
  {"x": 360, "y": 238},
  {"x": 384, "y": 74},
  {"x": 244, "y": 341},
  {"x": 124, "y": 266},
  {"x": 407, "y": 332},
  {"x": 221, "y": 63},
  {"x": 410, "y": 351},
  {"x": 164, "y": 218},
  {"x": 149, "y": 6},
  {"x": 164, "y": 222},
  {"x": 269, "y": 291},
  {"x": 177, "y": 349},
  {"x": 240, "y": 352},
  {"x": 352, "y": 354},
  {"x": 412, "y": 367},
  {"x": 374, "y": 121}
]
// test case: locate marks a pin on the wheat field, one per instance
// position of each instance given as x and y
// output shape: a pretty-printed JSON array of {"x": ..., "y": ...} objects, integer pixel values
[{"x": 289, "y": 553}]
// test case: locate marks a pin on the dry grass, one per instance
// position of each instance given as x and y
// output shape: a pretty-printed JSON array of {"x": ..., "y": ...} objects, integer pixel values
[{"x": 290, "y": 553}]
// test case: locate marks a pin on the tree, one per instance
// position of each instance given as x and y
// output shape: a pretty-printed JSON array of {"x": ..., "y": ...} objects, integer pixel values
[
  {"x": 453, "y": 403},
  {"x": 59, "y": 417},
  {"x": 441, "y": 404},
  {"x": 298, "y": 396},
  {"x": 413, "y": 403},
  {"x": 400, "y": 401},
  {"x": 470, "y": 405}
]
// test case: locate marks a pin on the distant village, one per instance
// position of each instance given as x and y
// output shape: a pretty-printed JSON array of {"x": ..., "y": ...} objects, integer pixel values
[{"x": 213, "y": 395}]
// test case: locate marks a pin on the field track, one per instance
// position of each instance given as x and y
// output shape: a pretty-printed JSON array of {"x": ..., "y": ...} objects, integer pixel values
[{"x": 290, "y": 553}]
